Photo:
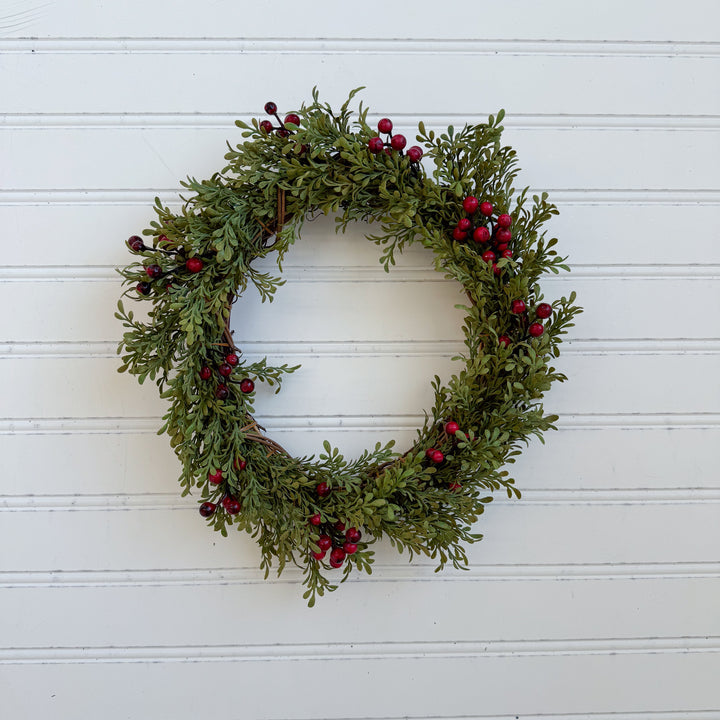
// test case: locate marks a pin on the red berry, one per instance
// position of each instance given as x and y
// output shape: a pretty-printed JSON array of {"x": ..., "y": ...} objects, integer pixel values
[
  {"x": 247, "y": 385},
  {"x": 222, "y": 392},
  {"x": 518, "y": 307},
  {"x": 451, "y": 428},
  {"x": 501, "y": 247},
  {"x": 458, "y": 234},
  {"x": 143, "y": 288},
  {"x": 543, "y": 310},
  {"x": 194, "y": 265},
  {"x": 207, "y": 509},
  {"x": 270, "y": 108},
  {"x": 232, "y": 359},
  {"x": 503, "y": 235},
  {"x": 454, "y": 486},
  {"x": 239, "y": 464},
  {"x": 482, "y": 234},
  {"x": 504, "y": 340},
  {"x": 282, "y": 132},
  {"x": 536, "y": 329},
  {"x": 488, "y": 256},
  {"x": 349, "y": 548},
  {"x": 507, "y": 254},
  {"x": 266, "y": 126},
  {"x": 353, "y": 535},
  {"x": 376, "y": 145},
  {"x": 429, "y": 453},
  {"x": 163, "y": 240},
  {"x": 398, "y": 142},
  {"x": 438, "y": 457},
  {"x": 324, "y": 542},
  {"x": 318, "y": 555},
  {"x": 337, "y": 556},
  {"x": 385, "y": 125},
  {"x": 504, "y": 220},
  {"x": 496, "y": 269},
  {"x": 415, "y": 153},
  {"x": 205, "y": 372},
  {"x": 486, "y": 208},
  {"x": 135, "y": 242},
  {"x": 470, "y": 204},
  {"x": 215, "y": 477},
  {"x": 464, "y": 224},
  {"x": 232, "y": 506},
  {"x": 292, "y": 118},
  {"x": 322, "y": 489},
  {"x": 225, "y": 369},
  {"x": 340, "y": 526},
  {"x": 316, "y": 519}
]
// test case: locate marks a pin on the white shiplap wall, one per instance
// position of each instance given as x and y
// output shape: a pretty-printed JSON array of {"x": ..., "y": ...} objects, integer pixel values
[{"x": 596, "y": 596}]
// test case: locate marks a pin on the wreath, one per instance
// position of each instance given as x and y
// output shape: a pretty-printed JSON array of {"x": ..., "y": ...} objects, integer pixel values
[{"x": 324, "y": 513}]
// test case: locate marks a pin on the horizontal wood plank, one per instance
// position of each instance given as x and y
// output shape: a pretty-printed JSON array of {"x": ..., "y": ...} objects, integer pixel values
[
  {"x": 162, "y": 82},
  {"x": 401, "y": 687},
  {"x": 364, "y": 386},
  {"x": 315, "y": 307},
  {"x": 643, "y": 21},
  {"x": 138, "y": 463},
  {"x": 48, "y": 233},
  {"x": 127, "y": 616},
  {"x": 48, "y": 158},
  {"x": 515, "y": 533}
]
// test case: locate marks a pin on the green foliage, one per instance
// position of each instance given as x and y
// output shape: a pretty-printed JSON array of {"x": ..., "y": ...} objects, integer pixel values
[{"x": 228, "y": 221}]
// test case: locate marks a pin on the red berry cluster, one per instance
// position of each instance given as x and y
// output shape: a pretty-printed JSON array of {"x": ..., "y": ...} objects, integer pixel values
[
  {"x": 397, "y": 142},
  {"x": 437, "y": 457},
  {"x": 535, "y": 328},
  {"x": 492, "y": 233},
  {"x": 154, "y": 271},
  {"x": 336, "y": 538},
  {"x": 281, "y": 131},
  {"x": 230, "y": 504},
  {"x": 225, "y": 369}
]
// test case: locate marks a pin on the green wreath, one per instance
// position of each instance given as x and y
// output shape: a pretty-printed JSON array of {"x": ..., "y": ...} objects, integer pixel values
[{"x": 426, "y": 499}]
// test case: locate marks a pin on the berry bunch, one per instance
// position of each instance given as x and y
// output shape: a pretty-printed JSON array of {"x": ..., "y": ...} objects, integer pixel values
[
  {"x": 281, "y": 131},
  {"x": 176, "y": 255},
  {"x": 396, "y": 142},
  {"x": 436, "y": 456},
  {"x": 225, "y": 369},
  {"x": 333, "y": 537},
  {"x": 229, "y": 503},
  {"x": 494, "y": 233}
]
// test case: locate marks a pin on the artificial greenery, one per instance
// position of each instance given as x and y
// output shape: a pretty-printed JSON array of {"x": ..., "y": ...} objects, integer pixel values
[{"x": 320, "y": 160}]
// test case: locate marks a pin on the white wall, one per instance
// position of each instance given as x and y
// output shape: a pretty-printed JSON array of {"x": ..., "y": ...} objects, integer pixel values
[{"x": 595, "y": 596}]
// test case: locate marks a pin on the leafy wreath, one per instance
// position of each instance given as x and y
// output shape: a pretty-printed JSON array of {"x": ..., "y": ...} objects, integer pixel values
[{"x": 200, "y": 260}]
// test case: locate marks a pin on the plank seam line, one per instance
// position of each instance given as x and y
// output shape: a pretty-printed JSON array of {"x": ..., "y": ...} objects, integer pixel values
[
  {"x": 397, "y": 348},
  {"x": 145, "y": 196},
  {"x": 404, "y": 120},
  {"x": 382, "y": 572},
  {"x": 375, "y": 273},
  {"x": 340, "y": 46},
  {"x": 108, "y": 502},
  {"x": 360, "y": 651},
  {"x": 372, "y": 423},
  {"x": 637, "y": 715}
]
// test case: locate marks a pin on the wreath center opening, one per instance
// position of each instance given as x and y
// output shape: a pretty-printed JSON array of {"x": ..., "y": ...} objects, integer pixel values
[{"x": 368, "y": 342}]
